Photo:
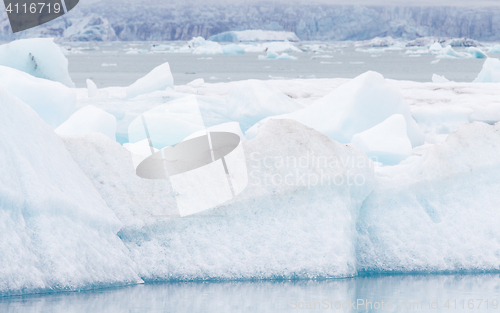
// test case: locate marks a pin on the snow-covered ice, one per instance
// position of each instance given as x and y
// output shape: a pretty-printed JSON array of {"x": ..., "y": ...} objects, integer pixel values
[
  {"x": 56, "y": 231},
  {"x": 89, "y": 119}
]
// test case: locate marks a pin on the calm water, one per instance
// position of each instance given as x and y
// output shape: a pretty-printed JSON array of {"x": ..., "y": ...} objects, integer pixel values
[
  {"x": 111, "y": 66},
  {"x": 429, "y": 293}
]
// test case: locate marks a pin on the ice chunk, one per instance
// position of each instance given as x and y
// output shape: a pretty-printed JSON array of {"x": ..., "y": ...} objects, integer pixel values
[
  {"x": 356, "y": 106},
  {"x": 196, "y": 83},
  {"x": 442, "y": 214},
  {"x": 449, "y": 53},
  {"x": 254, "y": 35},
  {"x": 158, "y": 79},
  {"x": 438, "y": 79},
  {"x": 57, "y": 233},
  {"x": 89, "y": 119},
  {"x": 253, "y": 100},
  {"x": 490, "y": 72},
  {"x": 441, "y": 119},
  {"x": 232, "y": 49},
  {"x": 494, "y": 49},
  {"x": 435, "y": 47},
  {"x": 39, "y": 57},
  {"x": 386, "y": 142},
  {"x": 275, "y": 56},
  {"x": 202, "y": 46},
  {"x": 477, "y": 53},
  {"x": 91, "y": 88},
  {"x": 53, "y": 101}
]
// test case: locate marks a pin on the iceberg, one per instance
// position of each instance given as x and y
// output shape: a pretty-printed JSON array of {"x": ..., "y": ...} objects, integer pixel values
[
  {"x": 354, "y": 107},
  {"x": 439, "y": 79},
  {"x": 159, "y": 78},
  {"x": 386, "y": 142},
  {"x": 249, "y": 102},
  {"x": 477, "y": 53},
  {"x": 254, "y": 35},
  {"x": 87, "y": 120},
  {"x": 39, "y": 57},
  {"x": 57, "y": 232},
  {"x": 279, "y": 227},
  {"x": 490, "y": 72},
  {"x": 53, "y": 101},
  {"x": 201, "y": 46},
  {"x": 439, "y": 215},
  {"x": 232, "y": 49}
]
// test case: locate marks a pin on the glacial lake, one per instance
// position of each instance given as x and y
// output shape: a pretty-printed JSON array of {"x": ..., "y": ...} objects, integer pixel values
[
  {"x": 108, "y": 64},
  {"x": 396, "y": 293}
]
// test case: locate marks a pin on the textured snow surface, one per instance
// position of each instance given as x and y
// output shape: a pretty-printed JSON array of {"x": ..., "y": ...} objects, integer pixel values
[
  {"x": 56, "y": 231},
  {"x": 441, "y": 213},
  {"x": 87, "y": 120}
]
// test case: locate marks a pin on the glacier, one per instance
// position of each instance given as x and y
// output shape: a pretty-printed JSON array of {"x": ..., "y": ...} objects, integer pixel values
[{"x": 143, "y": 20}]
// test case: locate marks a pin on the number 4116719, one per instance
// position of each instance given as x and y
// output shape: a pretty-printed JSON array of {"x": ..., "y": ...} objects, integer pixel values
[{"x": 33, "y": 8}]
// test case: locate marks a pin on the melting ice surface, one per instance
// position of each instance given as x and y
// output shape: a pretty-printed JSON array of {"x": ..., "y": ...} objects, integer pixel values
[{"x": 441, "y": 293}]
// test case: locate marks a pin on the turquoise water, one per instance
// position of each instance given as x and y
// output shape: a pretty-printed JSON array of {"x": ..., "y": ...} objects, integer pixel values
[{"x": 399, "y": 293}]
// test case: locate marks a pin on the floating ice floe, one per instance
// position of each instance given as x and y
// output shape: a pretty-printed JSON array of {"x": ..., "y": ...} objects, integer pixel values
[
  {"x": 158, "y": 79},
  {"x": 276, "y": 56},
  {"x": 89, "y": 119},
  {"x": 490, "y": 72},
  {"x": 201, "y": 46},
  {"x": 233, "y": 49},
  {"x": 494, "y": 49},
  {"x": 254, "y": 35},
  {"x": 39, "y": 57},
  {"x": 439, "y": 79},
  {"x": 57, "y": 232},
  {"x": 386, "y": 142},
  {"x": 53, "y": 101}
]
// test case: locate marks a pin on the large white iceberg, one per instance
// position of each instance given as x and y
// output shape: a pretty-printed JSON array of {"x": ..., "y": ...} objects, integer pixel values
[
  {"x": 53, "y": 101},
  {"x": 57, "y": 233},
  {"x": 279, "y": 227},
  {"x": 39, "y": 57}
]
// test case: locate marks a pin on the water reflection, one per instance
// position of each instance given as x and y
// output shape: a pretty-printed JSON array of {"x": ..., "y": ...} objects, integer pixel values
[{"x": 401, "y": 293}]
